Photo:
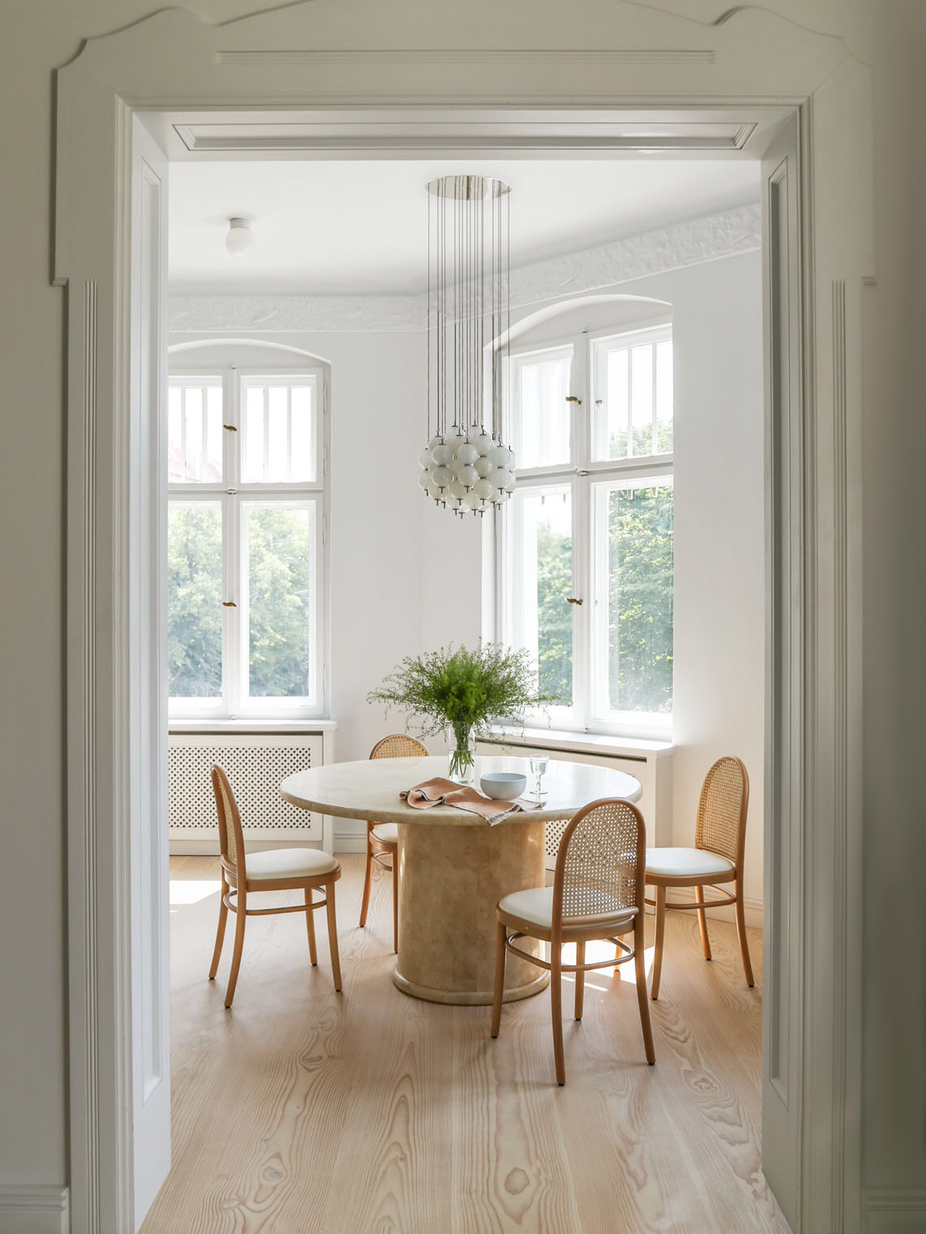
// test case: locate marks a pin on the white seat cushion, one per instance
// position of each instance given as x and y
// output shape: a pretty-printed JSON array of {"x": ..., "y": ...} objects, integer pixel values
[
  {"x": 388, "y": 833},
  {"x": 289, "y": 863},
  {"x": 536, "y": 905},
  {"x": 686, "y": 862}
]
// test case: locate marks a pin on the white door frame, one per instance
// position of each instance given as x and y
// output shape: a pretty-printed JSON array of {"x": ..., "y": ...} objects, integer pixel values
[{"x": 636, "y": 59}]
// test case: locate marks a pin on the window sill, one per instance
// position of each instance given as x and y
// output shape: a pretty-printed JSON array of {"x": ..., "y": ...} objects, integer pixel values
[
  {"x": 603, "y": 744},
  {"x": 254, "y": 725}
]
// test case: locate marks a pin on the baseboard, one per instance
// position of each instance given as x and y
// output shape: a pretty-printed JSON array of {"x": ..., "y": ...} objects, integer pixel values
[
  {"x": 894, "y": 1210},
  {"x": 349, "y": 842},
  {"x": 33, "y": 1209}
]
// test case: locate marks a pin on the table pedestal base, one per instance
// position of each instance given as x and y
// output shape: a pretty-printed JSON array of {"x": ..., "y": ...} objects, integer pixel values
[{"x": 450, "y": 879}]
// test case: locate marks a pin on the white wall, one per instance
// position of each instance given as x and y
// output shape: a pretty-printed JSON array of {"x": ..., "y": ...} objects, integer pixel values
[
  {"x": 719, "y": 675},
  {"x": 406, "y": 577},
  {"x": 42, "y": 34}
]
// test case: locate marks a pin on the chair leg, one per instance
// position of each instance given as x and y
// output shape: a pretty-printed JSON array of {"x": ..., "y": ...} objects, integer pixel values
[
  {"x": 395, "y": 901},
  {"x": 580, "y": 979},
  {"x": 660, "y": 936},
  {"x": 643, "y": 1001},
  {"x": 702, "y": 922},
  {"x": 556, "y": 1008},
  {"x": 367, "y": 879},
  {"x": 220, "y": 933},
  {"x": 499, "y": 978},
  {"x": 241, "y": 919},
  {"x": 310, "y": 926},
  {"x": 333, "y": 936},
  {"x": 741, "y": 932}
]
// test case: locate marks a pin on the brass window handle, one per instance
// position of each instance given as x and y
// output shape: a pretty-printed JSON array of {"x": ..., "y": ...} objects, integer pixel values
[
  {"x": 229, "y": 604},
  {"x": 573, "y": 600},
  {"x": 230, "y": 428},
  {"x": 573, "y": 398}
]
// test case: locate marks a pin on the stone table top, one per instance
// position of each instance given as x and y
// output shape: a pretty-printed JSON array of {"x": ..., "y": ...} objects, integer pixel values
[{"x": 369, "y": 789}]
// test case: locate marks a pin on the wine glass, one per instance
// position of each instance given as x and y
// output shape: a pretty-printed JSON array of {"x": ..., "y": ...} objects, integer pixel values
[{"x": 538, "y": 767}]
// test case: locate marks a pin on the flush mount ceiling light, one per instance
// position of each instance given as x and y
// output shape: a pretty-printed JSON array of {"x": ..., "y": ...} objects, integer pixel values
[
  {"x": 466, "y": 465},
  {"x": 239, "y": 237}
]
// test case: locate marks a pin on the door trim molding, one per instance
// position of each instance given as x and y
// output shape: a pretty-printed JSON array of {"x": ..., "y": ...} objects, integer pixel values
[{"x": 171, "y": 61}]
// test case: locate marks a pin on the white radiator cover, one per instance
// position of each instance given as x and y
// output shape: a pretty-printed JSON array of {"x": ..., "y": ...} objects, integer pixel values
[{"x": 255, "y": 764}]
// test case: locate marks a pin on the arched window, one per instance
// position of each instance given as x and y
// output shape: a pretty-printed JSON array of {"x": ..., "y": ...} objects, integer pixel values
[
  {"x": 586, "y": 577},
  {"x": 247, "y": 473}
]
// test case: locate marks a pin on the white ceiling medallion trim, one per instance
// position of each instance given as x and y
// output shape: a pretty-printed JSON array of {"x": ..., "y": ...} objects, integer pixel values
[
  {"x": 268, "y": 314},
  {"x": 724, "y": 234}
]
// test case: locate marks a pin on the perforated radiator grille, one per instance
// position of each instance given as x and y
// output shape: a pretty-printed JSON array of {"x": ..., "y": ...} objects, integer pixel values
[{"x": 255, "y": 767}]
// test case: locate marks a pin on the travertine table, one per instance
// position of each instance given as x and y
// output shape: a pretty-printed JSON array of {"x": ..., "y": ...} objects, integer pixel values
[{"x": 453, "y": 866}]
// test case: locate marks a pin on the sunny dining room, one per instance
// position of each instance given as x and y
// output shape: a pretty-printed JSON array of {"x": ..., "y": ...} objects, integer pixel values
[{"x": 325, "y": 553}]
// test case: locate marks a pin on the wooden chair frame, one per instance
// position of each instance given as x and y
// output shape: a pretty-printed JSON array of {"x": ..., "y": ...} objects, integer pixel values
[
  {"x": 385, "y": 853},
  {"x": 511, "y": 929},
  {"x": 664, "y": 882},
  {"x": 236, "y": 887}
]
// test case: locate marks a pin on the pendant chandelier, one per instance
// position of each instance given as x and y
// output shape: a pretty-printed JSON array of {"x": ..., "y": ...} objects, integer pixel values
[{"x": 466, "y": 466}]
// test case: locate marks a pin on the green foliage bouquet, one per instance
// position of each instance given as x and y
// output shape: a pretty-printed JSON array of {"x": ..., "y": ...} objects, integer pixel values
[{"x": 464, "y": 689}]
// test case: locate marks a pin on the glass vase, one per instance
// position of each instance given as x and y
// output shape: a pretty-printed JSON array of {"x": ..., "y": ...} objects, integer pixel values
[{"x": 461, "y": 738}]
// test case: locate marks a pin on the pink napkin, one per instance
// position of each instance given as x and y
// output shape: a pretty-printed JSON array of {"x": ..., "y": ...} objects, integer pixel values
[{"x": 441, "y": 792}]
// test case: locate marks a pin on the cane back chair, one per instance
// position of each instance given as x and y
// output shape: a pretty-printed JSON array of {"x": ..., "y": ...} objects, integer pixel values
[
  {"x": 597, "y": 893},
  {"x": 280, "y": 869},
  {"x": 717, "y": 858},
  {"x": 383, "y": 838}
]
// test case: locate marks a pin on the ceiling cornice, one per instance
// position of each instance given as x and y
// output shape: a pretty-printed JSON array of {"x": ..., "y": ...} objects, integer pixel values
[{"x": 724, "y": 234}]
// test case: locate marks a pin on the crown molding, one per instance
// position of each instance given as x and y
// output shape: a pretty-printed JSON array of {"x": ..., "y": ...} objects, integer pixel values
[{"x": 724, "y": 234}]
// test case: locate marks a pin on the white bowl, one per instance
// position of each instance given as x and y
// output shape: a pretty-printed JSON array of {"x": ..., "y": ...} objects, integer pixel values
[{"x": 503, "y": 785}]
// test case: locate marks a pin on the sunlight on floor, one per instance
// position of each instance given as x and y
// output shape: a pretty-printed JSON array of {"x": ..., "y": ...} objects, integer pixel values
[
  {"x": 601, "y": 949},
  {"x": 192, "y": 890}
]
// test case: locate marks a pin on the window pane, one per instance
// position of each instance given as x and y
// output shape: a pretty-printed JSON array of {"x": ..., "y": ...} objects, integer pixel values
[
  {"x": 638, "y": 553},
  {"x": 279, "y": 432},
  {"x": 194, "y": 432},
  {"x": 540, "y": 414},
  {"x": 542, "y": 564},
  {"x": 632, "y": 398},
  {"x": 194, "y": 599},
  {"x": 280, "y": 600}
]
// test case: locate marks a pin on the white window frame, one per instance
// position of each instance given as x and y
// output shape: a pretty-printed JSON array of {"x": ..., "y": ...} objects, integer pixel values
[
  {"x": 586, "y": 477},
  {"x": 236, "y": 496}
]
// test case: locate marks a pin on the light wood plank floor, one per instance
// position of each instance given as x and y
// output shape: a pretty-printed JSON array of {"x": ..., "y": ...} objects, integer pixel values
[{"x": 302, "y": 1111}]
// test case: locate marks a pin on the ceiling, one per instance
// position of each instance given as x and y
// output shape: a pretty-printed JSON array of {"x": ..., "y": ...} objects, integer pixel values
[{"x": 360, "y": 226}]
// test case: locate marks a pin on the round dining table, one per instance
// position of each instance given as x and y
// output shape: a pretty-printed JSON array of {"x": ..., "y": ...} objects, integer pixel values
[{"x": 454, "y": 867}]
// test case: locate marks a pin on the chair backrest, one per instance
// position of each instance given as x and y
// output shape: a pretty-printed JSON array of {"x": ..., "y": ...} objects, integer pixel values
[
  {"x": 721, "y": 826},
  {"x": 231, "y": 839},
  {"x": 601, "y": 861},
  {"x": 399, "y": 745}
]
